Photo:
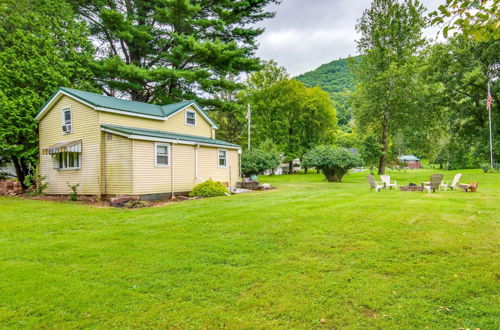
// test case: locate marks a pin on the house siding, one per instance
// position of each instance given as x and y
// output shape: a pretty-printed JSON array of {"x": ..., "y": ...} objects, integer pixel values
[
  {"x": 85, "y": 127},
  {"x": 124, "y": 165},
  {"x": 175, "y": 124},
  {"x": 209, "y": 165},
  {"x": 184, "y": 167},
  {"x": 117, "y": 164},
  {"x": 149, "y": 179}
]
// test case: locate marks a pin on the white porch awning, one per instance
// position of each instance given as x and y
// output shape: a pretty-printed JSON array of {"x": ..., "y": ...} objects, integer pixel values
[{"x": 66, "y": 146}]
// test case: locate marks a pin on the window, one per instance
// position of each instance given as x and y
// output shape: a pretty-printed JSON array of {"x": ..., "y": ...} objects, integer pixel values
[
  {"x": 66, "y": 120},
  {"x": 161, "y": 154},
  {"x": 68, "y": 160},
  {"x": 222, "y": 158},
  {"x": 190, "y": 118}
]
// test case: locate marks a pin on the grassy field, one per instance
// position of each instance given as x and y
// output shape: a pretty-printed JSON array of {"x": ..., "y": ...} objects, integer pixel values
[{"x": 309, "y": 254}]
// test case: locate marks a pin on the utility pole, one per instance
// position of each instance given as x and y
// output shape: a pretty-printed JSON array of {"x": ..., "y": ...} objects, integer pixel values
[
  {"x": 488, "y": 104},
  {"x": 492, "y": 76},
  {"x": 248, "y": 122}
]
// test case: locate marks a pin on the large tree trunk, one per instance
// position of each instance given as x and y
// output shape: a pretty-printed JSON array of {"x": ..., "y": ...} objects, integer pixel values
[
  {"x": 334, "y": 175},
  {"x": 21, "y": 170},
  {"x": 290, "y": 167},
  {"x": 384, "y": 142},
  {"x": 306, "y": 169}
]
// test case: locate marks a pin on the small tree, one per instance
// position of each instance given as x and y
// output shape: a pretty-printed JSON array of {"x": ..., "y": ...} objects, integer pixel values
[
  {"x": 73, "y": 195},
  {"x": 36, "y": 183},
  {"x": 334, "y": 163},
  {"x": 256, "y": 161},
  {"x": 370, "y": 150}
]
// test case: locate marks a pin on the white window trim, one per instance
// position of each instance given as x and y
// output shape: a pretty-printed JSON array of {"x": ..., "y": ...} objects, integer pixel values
[
  {"x": 186, "y": 117},
  {"x": 218, "y": 158},
  {"x": 63, "y": 121},
  {"x": 168, "y": 154},
  {"x": 67, "y": 162}
]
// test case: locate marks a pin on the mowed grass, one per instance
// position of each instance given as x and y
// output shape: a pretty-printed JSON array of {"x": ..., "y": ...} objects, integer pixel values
[{"x": 309, "y": 254}]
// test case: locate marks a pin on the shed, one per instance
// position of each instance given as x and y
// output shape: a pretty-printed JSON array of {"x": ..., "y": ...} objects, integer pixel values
[{"x": 410, "y": 161}]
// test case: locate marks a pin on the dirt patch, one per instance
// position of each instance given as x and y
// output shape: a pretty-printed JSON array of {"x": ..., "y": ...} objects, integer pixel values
[
  {"x": 92, "y": 200},
  {"x": 368, "y": 312}
]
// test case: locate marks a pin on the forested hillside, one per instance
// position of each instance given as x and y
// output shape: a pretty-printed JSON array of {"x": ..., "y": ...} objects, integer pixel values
[{"x": 334, "y": 78}]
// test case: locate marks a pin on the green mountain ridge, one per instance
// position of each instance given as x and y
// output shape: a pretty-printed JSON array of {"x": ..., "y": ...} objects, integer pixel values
[{"x": 336, "y": 79}]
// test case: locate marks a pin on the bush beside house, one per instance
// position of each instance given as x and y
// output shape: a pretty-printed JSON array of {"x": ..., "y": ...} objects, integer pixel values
[{"x": 209, "y": 188}]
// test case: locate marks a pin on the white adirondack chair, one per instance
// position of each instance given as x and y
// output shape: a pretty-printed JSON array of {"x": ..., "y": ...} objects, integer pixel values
[
  {"x": 387, "y": 180},
  {"x": 374, "y": 184},
  {"x": 453, "y": 184},
  {"x": 434, "y": 184}
]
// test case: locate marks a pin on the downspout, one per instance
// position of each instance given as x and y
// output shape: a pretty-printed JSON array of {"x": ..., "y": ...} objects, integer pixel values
[
  {"x": 133, "y": 168},
  {"x": 100, "y": 167},
  {"x": 172, "y": 169},
  {"x": 240, "y": 175},
  {"x": 196, "y": 163}
]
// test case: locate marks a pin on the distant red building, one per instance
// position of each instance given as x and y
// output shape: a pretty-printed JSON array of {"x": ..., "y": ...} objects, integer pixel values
[{"x": 410, "y": 161}]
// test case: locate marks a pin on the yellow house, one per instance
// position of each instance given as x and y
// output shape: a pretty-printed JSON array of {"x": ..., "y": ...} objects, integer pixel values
[{"x": 112, "y": 146}]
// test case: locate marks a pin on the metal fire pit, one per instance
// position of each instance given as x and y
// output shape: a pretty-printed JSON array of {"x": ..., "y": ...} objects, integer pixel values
[{"x": 411, "y": 188}]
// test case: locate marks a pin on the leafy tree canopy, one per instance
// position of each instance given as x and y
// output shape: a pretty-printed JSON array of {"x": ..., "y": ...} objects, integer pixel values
[
  {"x": 42, "y": 47},
  {"x": 477, "y": 18},
  {"x": 256, "y": 161},
  {"x": 293, "y": 116},
  {"x": 460, "y": 69},
  {"x": 388, "y": 94},
  {"x": 370, "y": 150}
]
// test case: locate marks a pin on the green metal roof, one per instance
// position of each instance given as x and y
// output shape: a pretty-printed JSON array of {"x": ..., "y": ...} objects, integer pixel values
[
  {"x": 165, "y": 135},
  {"x": 115, "y": 103},
  {"x": 408, "y": 158},
  {"x": 133, "y": 107}
]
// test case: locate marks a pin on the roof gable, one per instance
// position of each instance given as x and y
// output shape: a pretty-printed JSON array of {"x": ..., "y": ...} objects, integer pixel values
[{"x": 122, "y": 106}]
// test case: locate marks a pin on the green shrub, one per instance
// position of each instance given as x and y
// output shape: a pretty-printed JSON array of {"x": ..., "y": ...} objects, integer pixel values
[
  {"x": 73, "y": 195},
  {"x": 209, "y": 188},
  {"x": 333, "y": 163},
  {"x": 35, "y": 183},
  {"x": 487, "y": 168},
  {"x": 136, "y": 204}
]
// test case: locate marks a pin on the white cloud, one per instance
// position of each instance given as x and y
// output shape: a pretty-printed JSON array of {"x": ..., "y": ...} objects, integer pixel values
[{"x": 306, "y": 34}]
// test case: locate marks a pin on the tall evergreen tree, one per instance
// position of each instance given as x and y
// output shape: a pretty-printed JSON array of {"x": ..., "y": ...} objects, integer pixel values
[
  {"x": 386, "y": 95},
  {"x": 42, "y": 47},
  {"x": 163, "y": 51}
]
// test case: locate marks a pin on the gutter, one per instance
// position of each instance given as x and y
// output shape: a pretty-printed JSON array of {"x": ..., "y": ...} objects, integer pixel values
[{"x": 171, "y": 140}]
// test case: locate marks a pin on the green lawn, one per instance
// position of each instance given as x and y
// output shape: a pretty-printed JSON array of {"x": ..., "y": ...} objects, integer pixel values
[{"x": 307, "y": 251}]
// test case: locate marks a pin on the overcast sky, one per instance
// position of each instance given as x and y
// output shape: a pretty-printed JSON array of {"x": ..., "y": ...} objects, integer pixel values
[{"x": 307, "y": 33}]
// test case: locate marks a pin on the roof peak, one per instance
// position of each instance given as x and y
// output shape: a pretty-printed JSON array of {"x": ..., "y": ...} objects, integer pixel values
[
  {"x": 67, "y": 89},
  {"x": 123, "y": 106}
]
